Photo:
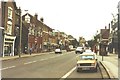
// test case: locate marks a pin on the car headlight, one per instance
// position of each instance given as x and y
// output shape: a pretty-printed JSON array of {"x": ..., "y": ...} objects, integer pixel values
[{"x": 93, "y": 64}]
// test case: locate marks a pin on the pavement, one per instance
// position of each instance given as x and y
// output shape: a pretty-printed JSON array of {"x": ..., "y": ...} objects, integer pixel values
[
  {"x": 22, "y": 55},
  {"x": 110, "y": 62},
  {"x": 25, "y": 55}
]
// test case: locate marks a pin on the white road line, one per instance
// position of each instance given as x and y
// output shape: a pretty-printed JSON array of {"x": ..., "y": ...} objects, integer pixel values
[
  {"x": 43, "y": 59},
  {"x": 27, "y": 62},
  {"x": 30, "y": 62},
  {"x": 34, "y": 61},
  {"x": 67, "y": 74},
  {"x": 8, "y": 67}
]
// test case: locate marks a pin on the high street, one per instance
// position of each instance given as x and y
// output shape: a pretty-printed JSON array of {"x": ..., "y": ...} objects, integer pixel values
[{"x": 49, "y": 65}]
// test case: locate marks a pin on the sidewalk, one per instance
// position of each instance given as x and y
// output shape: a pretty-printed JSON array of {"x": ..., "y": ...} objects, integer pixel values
[
  {"x": 110, "y": 62},
  {"x": 25, "y": 55},
  {"x": 22, "y": 55}
]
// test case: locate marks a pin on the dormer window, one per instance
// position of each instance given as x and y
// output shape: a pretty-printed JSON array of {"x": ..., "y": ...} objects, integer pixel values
[
  {"x": 10, "y": 11},
  {"x": 27, "y": 18}
]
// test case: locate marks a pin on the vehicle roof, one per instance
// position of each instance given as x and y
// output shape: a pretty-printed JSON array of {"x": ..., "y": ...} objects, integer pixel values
[
  {"x": 79, "y": 47},
  {"x": 85, "y": 53}
]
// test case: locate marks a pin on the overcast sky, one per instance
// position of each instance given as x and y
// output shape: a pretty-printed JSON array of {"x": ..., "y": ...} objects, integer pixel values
[{"x": 74, "y": 17}]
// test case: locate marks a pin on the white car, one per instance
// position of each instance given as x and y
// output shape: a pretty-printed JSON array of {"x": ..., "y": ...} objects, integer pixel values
[
  {"x": 79, "y": 50},
  {"x": 88, "y": 50},
  {"x": 58, "y": 50}
]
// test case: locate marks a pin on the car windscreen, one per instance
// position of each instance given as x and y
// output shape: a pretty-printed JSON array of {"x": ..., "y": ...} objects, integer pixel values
[{"x": 87, "y": 57}]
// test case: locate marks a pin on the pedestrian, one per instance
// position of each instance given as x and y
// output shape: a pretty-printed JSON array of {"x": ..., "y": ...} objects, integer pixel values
[{"x": 30, "y": 51}]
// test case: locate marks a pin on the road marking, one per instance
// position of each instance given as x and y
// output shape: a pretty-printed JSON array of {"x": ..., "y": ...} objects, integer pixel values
[
  {"x": 67, "y": 74},
  {"x": 43, "y": 59},
  {"x": 30, "y": 62},
  {"x": 34, "y": 61},
  {"x": 8, "y": 67},
  {"x": 27, "y": 62}
]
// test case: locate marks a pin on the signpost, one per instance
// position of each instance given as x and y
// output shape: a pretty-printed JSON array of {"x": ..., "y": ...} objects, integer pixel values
[{"x": 104, "y": 38}]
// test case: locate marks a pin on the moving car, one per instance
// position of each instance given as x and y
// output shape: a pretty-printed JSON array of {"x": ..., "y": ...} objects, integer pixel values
[
  {"x": 58, "y": 50},
  {"x": 88, "y": 50},
  {"x": 87, "y": 61},
  {"x": 79, "y": 50}
]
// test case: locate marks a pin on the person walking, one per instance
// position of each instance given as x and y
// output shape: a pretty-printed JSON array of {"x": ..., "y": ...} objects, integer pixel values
[{"x": 30, "y": 51}]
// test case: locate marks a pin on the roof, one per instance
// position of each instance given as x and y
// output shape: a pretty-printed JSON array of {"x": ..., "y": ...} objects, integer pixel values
[{"x": 88, "y": 53}]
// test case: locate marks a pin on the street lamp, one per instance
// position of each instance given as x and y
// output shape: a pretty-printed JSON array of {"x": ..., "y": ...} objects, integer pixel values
[
  {"x": 41, "y": 32},
  {"x": 1, "y": 40},
  {"x": 21, "y": 31},
  {"x": 118, "y": 28}
]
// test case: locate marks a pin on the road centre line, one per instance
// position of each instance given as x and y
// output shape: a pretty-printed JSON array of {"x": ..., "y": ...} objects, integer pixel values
[
  {"x": 7, "y": 67},
  {"x": 30, "y": 62},
  {"x": 39, "y": 60},
  {"x": 67, "y": 74},
  {"x": 53, "y": 57},
  {"x": 44, "y": 59}
]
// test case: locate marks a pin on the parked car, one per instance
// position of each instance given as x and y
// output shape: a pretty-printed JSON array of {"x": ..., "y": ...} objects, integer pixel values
[
  {"x": 58, "y": 50},
  {"x": 79, "y": 50},
  {"x": 87, "y": 61}
]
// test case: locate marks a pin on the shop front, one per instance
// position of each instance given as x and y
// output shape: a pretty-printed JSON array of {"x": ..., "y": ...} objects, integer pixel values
[{"x": 8, "y": 46}]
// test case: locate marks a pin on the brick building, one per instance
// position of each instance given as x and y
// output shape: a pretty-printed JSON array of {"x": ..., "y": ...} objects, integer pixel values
[
  {"x": 9, "y": 22},
  {"x": 36, "y": 34}
]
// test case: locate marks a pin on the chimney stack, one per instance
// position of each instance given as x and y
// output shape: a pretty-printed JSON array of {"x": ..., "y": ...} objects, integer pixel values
[{"x": 36, "y": 16}]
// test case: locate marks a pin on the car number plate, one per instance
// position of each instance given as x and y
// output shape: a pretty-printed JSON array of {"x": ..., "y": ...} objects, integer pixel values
[{"x": 86, "y": 68}]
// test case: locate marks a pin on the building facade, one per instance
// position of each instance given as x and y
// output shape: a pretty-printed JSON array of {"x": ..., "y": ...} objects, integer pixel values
[
  {"x": 9, "y": 10},
  {"x": 31, "y": 33},
  {"x": 38, "y": 35},
  {"x": 20, "y": 33}
]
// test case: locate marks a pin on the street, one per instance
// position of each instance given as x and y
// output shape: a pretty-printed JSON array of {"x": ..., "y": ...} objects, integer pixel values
[
  {"x": 46, "y": 66},
  {"x": 86, "y": 35}
]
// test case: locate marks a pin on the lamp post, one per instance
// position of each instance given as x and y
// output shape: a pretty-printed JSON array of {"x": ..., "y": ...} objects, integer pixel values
[
  {"x": 20, "y": 33},
  {"x": 1, "y": 40},
  {"x": 20, "y": 51},
  {"x": 118, "y": 28},
  {"x": 41, "y": 33}
]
